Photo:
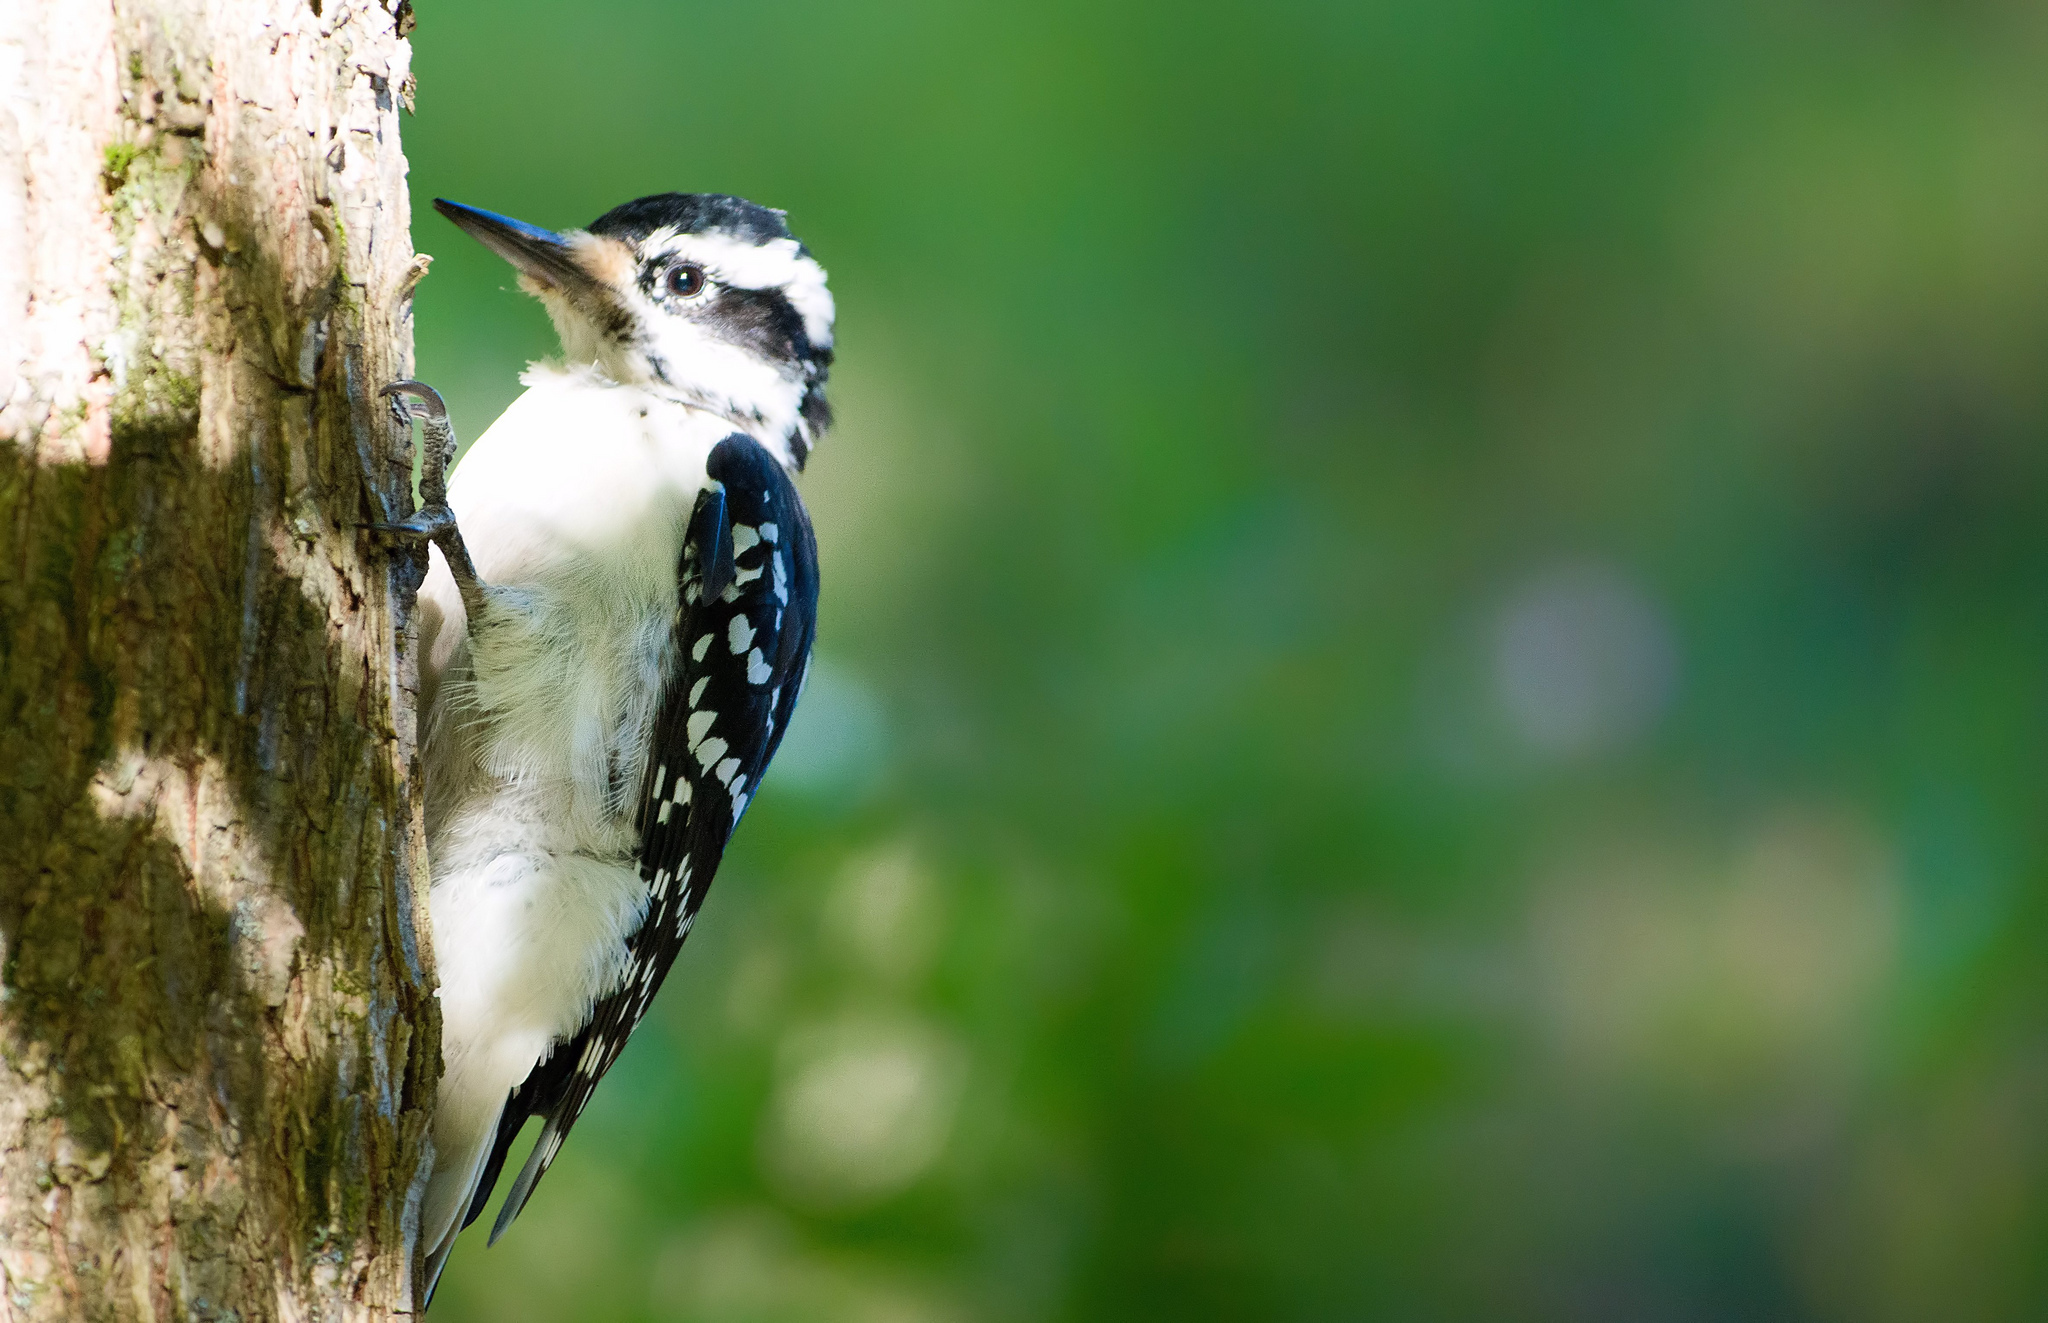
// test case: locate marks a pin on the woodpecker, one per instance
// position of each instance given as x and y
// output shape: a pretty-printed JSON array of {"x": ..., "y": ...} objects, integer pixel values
[{"x": 615, "y": 624}]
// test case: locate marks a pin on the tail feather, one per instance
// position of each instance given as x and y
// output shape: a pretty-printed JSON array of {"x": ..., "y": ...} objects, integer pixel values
[
  {"x": 544, "y": 1151},
  {"x": 437, "y": 1260},
  {"x": 450, "y": 1192}
]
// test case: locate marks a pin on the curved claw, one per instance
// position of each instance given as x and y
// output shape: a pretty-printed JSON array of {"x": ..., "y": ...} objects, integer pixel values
[
  {"x": 439, "y": 433},
  {"x": 420, "y": 391},
  {"x": 429, "y": 523}
]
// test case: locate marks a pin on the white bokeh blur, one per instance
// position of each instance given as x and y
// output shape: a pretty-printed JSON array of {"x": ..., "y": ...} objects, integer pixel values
[{"x": 1584, "y": 661}]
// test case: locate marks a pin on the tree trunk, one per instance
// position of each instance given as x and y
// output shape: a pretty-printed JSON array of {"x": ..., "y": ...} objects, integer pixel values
[{"x": 217, "y": 1033}]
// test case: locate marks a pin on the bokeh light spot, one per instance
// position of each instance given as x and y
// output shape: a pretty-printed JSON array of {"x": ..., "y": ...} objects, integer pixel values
[{"x": 1584, "y": 661}]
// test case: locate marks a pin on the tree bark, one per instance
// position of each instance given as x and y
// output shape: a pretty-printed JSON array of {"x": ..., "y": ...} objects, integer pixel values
[{"x": 217, "y": 1032}]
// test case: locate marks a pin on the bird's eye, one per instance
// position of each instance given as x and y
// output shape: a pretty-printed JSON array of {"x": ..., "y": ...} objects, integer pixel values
[{"x": 685, "y": 280}]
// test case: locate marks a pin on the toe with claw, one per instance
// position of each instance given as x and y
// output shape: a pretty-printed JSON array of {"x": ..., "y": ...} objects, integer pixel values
[
  {"x": 432, "y": 414},
  {"x": 429, "y": 524}
]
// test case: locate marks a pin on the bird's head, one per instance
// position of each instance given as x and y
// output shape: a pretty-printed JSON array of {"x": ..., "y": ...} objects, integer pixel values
[{"x": 702, "y": 297}]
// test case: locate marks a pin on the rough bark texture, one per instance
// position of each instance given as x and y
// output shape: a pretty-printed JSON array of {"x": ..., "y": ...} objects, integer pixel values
[{"x": 217, "y": 1039}]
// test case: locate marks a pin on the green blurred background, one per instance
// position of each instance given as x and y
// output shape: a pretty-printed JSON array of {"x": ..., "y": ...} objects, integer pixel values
[{"x": 1434, "y": 668}]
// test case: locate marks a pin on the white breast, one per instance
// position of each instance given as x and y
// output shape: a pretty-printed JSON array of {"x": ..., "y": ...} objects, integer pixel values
[
  {"x": 573, "y": 506},
  {"x": 580, "y": 470}
]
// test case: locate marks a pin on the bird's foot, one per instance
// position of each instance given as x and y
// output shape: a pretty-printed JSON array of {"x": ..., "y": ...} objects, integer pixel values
[{"x": 434, "y": 521}]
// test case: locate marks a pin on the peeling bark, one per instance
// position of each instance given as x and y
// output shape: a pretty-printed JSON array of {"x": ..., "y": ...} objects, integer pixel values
[{"x": 217, "y": 1032}]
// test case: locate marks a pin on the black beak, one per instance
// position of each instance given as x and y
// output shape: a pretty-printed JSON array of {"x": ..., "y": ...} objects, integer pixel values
[{"x": 542, "y": 254}]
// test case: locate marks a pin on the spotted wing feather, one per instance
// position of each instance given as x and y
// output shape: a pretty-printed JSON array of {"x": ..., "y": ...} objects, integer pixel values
[{"x": 746, "y": 615}]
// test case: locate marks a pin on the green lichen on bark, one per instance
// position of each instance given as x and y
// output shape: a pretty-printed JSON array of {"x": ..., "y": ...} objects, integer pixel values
[{"x": 149, "y": 175}]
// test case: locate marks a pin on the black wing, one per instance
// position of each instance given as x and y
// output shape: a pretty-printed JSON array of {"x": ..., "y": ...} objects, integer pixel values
[{"x": 745, "y": 617}]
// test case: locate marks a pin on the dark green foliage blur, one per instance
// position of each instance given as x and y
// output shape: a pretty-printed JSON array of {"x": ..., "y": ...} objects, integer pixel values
[{"x": 1434, "y": 667}]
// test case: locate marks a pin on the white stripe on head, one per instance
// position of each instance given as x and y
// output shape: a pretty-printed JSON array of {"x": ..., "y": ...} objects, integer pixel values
[{"x": 743, "y": 264}]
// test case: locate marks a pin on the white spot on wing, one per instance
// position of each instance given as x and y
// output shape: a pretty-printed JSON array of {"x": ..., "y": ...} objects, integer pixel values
[
  {"x": 696, "y": 695},
  {"x": 758, "y": 670},
  {"x": 702, "y": 645},
  {"x": 770, "y": 532},
  {"x": 700, "y": 722},
  {"x": 739, "y": 636},
  {"x": 744, "y": 539},
  {"x": 710, "y": 751},
  {"x": 726, "y": 770}
]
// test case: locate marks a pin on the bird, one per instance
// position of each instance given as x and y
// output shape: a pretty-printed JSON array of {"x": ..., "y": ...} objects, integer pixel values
[{"x": 614, "y": 627}]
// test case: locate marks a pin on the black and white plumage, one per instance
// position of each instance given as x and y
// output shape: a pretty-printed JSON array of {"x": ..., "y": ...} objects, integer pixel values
[
  {"x": 615, "y": 628},
  {"x": 741, "y": 648}
]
